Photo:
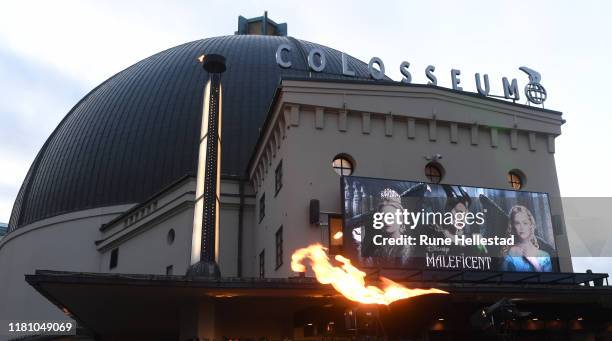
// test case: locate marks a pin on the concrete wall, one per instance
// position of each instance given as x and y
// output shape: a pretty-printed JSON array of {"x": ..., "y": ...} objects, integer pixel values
[
  {"x": 249, "y": 265},
  {"x": 143, "y": 245},
  {"x": 64, "y": 242},
  {"x": 141, "y": 234},
  {"x": 150, "y": 252},
  {"x": 74, "y": 242},
  {"x": 387, "y": 147}
]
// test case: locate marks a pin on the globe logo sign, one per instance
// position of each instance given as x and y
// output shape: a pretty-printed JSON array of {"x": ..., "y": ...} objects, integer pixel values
[{"x": 535, "y": 92}]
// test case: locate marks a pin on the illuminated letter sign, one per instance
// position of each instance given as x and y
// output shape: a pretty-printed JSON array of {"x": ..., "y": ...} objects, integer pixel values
[{"x": 534, "y": 91}]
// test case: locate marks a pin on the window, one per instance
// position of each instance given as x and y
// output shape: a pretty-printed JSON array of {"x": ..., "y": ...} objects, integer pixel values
[
  {"x": 262, "y": 263},
  {"x": 262, "y": 207},
  {"x": 170, "y": 236},
  {"x": 278, "y": 177},
  {"x": 434, "y": 172},
  {"x": 516, "y": 179},
  {"x": 114, "y": 258},
  {"x": 169, "y": 270},
  {"x": 336, "y": 236},
  {"x": 279, "y": 247},
  {"x": 343, "y": 165}
]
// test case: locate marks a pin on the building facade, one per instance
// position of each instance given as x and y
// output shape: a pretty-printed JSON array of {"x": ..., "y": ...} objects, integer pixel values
[{"x": 102, "y": 227}]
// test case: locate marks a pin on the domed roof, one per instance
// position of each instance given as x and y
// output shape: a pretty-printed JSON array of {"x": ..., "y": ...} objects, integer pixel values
[{"x": 138, "y": 131}]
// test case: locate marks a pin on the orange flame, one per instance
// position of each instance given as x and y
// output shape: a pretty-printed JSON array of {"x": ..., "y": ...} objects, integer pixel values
[{"x": 350, "y": 281}]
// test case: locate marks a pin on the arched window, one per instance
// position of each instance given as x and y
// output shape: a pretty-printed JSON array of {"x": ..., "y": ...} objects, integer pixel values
[
  {"x": 343, "y": 165},
  {"x": 516, "y": 179},
  {"x": 434, "y": 172},
  {"x": 170, "y": 236}
]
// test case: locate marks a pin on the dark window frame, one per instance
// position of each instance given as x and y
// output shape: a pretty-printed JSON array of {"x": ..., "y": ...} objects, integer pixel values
[
  {"x": 344, "y": 159},
  {"x": 278, "y": 178},
  {"x": 515, "y": 179},
  {"x": 434, "y": 176},
  {"x": 170, "y": 236},
  {"x": 278, "y": 241},
  {"x": 262, "y": 263},
  {"x": 114, "y": 259},
  {"x": 262, "y": 207},
  {"x": 338, "y": 248}
]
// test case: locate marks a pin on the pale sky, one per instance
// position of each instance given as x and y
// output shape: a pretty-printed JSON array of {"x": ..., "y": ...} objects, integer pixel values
[{"x": 53, "y": 52}]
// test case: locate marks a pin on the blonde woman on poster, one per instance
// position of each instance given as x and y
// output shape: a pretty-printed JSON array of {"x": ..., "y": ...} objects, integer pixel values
[{"x": 525, "y": 255}]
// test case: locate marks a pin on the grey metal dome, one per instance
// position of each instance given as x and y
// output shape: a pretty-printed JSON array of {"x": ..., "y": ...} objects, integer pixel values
[{"x": 137, "y": 132}]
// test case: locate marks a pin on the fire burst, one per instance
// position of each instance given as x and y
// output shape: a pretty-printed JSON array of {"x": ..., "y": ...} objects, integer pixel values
[{"x": 350, "y": 281}]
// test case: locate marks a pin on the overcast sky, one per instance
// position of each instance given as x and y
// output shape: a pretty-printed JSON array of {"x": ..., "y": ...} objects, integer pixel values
[{"x": 53, "y": 52}]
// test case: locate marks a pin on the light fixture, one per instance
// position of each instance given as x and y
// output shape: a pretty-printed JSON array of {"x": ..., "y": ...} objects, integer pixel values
[
  {"x": 434, "y": 157},
  {"x": 205, "y": 232},
  {"x": 580, "y": 319},
  {"x": 441, "y": 319}
]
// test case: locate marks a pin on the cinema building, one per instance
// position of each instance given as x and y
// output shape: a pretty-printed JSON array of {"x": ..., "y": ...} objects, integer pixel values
[{"x": 103, "y": 228}]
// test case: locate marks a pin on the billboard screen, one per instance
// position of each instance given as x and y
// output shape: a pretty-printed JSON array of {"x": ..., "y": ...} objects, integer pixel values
[{"x": 418, "y": 225}]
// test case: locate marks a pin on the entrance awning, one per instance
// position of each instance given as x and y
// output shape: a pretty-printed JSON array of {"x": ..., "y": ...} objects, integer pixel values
[{"x": 119, "y": 304}]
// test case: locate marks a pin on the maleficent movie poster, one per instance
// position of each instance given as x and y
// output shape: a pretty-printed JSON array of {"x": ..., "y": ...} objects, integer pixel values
[{"x": 418, "y": 225}]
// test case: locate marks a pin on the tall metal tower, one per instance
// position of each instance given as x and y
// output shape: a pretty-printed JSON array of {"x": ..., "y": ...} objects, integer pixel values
[{"x": 205, "y": 238}]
